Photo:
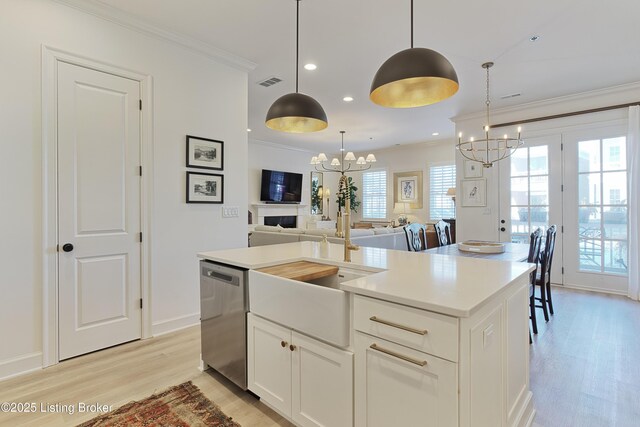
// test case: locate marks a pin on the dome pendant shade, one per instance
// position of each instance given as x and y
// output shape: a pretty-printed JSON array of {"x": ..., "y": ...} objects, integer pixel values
[
  {"x": 296, "y": 113},
  {"x": 413, "y": 78}
]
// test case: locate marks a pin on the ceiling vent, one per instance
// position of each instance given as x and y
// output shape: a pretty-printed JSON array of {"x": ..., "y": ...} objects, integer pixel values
[
  {"x": 269, "y": 82},
  {"x": 513, "y": 95}
]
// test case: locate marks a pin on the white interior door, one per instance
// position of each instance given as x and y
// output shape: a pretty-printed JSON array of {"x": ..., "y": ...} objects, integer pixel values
[
  {"x": 98, "y": 210},
  {"x": 595, "y": 209}
]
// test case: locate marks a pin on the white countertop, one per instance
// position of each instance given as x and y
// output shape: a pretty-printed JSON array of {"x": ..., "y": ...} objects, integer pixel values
[{"x": 451, "y": 285}]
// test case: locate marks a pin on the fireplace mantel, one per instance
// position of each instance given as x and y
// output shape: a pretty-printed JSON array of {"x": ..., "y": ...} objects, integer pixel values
[{"x": 284, "y": 209}]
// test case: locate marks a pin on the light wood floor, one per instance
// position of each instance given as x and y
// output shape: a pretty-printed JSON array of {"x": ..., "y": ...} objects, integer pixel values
[
  {"x": 129, "y": 372},
  {"x": 585, "y": 363},
  {"x": 585, "y": 371}
]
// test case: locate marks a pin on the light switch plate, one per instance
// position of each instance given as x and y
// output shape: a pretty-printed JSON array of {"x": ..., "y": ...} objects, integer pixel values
[{"x": 230, "y": 211}]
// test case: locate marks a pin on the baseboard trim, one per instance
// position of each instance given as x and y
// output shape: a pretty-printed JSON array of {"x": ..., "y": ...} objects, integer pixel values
[
  {"x": 175, "y": 324},
  {"x": 20, "y": 365},
  {"x": 527, "y": 412},
  {"x": 588, "y": 289}
]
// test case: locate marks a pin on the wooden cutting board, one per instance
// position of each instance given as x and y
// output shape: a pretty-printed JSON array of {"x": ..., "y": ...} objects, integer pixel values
[{"x": 301, "y": 270}]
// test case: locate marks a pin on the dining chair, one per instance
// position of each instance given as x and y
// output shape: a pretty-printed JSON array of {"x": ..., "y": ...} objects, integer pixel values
[
  {"x": 535, "y": 241},
  {"x": 416, "y": 235},
  {"x": 443, "y": 230},
  {"x": 543, "y": 278}
]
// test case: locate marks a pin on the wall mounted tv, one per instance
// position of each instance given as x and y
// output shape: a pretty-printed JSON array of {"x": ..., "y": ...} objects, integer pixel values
[{"x": 280, "y": 187}]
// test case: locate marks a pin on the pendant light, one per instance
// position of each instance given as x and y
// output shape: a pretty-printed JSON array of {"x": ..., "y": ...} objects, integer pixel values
[
  {"x": 414, "y": 77},
  {"x": 296, "y": 112}
]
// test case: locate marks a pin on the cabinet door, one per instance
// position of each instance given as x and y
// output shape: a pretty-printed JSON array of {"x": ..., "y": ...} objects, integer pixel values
[
  {"x": 322, "y": 378},
  {"x": 269, "y": 360},
  {"x": 394, "y": 389}
]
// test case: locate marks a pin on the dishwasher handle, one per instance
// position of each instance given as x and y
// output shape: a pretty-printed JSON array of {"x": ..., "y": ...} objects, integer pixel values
[{"x": 226, "y": 278}]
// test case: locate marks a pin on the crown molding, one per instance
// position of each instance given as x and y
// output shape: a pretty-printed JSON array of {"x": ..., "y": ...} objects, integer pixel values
[
  {"x": 280, "y": 146},
  {"x": 629, "y": 90},
  {"x": 111, "y": 14}
]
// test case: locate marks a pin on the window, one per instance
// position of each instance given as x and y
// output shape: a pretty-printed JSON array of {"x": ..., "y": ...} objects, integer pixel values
[
  {"x": 441, "y": 178},
  {"x": 374, "y": 194}
]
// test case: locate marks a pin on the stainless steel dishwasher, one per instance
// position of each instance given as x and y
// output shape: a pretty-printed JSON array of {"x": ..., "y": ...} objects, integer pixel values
[{"x": 223, "y": 316}]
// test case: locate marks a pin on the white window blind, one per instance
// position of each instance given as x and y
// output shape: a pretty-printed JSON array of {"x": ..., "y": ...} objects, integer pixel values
[
  {"x": 441, "y": 178},
  {"x": 374, "y": 194}
]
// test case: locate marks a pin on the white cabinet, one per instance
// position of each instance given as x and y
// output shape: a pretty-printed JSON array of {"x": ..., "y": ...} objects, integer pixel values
[
  {"x": 399, "y": 386},
  {"x": 416, "y": 367},
  {"x": 269, "y": 374},
  {"x": 306, "y": 380}
]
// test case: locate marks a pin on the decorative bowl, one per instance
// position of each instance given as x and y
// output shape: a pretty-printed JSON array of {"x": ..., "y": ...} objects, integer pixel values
[{"x": 479, "y": 246}]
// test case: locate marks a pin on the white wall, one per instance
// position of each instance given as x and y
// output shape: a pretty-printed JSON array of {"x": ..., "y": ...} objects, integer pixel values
[
  {"x": 266, "y": 155},
  {"x": 483, "y": 223},
  {"x": 192, "y": 93},
  {"x": 408, "y": 158}
]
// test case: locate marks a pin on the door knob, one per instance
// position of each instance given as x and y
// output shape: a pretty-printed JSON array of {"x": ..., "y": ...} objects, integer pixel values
[
  {"x": 502, "y": 221},
  {"x": 283, "y": 343},
  {"x": 67, "y": 247},
  {"x": 292, "y": 347},
  {"x": 503, "y": 229}
]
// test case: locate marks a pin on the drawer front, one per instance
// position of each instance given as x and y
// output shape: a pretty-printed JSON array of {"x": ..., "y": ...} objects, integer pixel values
[{"x": 422, "y": 330}]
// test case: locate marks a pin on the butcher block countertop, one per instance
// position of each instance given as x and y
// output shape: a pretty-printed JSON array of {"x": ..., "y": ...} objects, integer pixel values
[{"x": 301, "y": 270}]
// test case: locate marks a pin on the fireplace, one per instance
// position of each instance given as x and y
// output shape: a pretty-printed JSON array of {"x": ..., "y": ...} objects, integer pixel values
[
  {"x": 285, "y": 221},
  {"x": 273, "y": 210}
]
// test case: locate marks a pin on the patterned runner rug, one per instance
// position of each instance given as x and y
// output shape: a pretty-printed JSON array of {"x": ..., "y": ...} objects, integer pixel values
[{"x": 183, "y": 405}]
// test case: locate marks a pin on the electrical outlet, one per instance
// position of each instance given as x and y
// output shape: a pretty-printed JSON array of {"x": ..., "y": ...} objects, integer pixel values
[{"x": 230, "y": 211}]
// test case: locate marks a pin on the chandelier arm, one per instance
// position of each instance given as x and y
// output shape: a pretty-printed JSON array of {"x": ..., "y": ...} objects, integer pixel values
[{"x": 327, "y": 169}]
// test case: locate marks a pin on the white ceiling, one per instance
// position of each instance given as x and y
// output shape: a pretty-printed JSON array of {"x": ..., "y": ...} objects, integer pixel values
[{"x": 583, "y": 45}]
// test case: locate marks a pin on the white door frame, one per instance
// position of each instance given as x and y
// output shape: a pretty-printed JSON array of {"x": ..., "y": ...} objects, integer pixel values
[{"x": 50, "y": 58}]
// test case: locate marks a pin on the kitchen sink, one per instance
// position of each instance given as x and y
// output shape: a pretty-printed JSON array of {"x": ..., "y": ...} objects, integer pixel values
[{"x": 314, "y": 307}]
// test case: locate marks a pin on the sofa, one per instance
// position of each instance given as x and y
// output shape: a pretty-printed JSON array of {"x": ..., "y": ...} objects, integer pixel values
[{"x": 387, "y": 238}]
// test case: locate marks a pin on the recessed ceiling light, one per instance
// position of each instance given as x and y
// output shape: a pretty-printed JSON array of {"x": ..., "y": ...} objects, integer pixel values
[
  {"x": 310, "y": 67},
  {"x": 248, "y": 130},
  {"x": 534, "y": 38},
  {"x": 435, "y": 134},
  {"x": 347, "y": 99}
]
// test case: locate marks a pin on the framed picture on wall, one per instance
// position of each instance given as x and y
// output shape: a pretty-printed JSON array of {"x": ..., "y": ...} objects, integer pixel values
[
  {"x": 472, "y": 169},
  {"x": 408, "y": 188},
  {"x": 205, "y": 188},
  {"x": 205, "y": 153},
  {"x": 474, "y": 192}
]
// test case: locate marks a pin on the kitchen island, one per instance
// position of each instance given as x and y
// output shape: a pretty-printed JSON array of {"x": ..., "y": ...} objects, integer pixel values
[{"x": 394, "y": 338}]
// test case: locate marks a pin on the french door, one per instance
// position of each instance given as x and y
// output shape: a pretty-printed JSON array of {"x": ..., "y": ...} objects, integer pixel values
[
  {"x": 595, "y": 205},
  {"x": 531, "y": 194}
]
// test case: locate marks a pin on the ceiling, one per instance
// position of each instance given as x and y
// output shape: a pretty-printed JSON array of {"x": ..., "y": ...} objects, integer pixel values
[{"x": 583, "y": 45}]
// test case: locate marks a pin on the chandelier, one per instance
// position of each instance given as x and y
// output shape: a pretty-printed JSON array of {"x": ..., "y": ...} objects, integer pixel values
[
  {"x": 488, "y": 150},
  {"x": 361, "y": 163}
]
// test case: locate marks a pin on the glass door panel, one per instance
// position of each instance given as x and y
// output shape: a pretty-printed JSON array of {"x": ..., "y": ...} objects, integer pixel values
[
  {"x": 530, "y": 195},
  {"x": 595, "y": 209}
]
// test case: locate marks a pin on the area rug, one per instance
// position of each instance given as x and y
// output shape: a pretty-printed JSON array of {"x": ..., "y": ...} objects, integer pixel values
[{"x": 181, "y": 406}]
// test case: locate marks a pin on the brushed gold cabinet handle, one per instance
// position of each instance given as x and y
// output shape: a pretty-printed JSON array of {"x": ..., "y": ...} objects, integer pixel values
[
  {"x": 283, "y": 343},
  {"x": 375, "y": 347},
  {"x": 292, "y": 347},
  {"x": 399, "y": 326}
]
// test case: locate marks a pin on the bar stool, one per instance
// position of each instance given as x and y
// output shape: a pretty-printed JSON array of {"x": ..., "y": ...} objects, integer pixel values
[
  {"x": 535, "y": 241},
  {"x": 543, "y": 278}
]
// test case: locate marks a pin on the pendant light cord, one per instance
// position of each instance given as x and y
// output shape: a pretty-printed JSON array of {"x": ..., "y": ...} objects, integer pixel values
[
  {"x": 298, "y": 39},
  {"x": 412, "y": 24},
  {"x": 488, "y": 102}
]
